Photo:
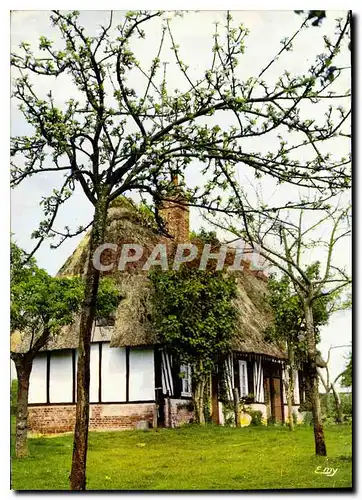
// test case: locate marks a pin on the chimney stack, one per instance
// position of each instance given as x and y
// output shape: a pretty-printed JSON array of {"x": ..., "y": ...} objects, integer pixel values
[{"x": 176, "y": 215}]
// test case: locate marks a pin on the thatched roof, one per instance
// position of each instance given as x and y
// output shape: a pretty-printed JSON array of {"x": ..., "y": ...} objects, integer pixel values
[{"x": 132, "y": 322}]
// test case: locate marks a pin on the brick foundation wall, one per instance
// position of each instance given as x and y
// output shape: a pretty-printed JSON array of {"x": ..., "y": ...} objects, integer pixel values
[
  {"x": 54, "y": 419},
  {"x": 179, "y": 414}
]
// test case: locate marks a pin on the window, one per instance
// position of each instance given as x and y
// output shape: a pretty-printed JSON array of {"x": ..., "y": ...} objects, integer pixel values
[
  {"x": 186, "y": 388},
  {"x": 141, "y": 375},
  {"x": 243, "y": 372},
  {"x": 114, "y": 369},
  {"x": 38, "y": 379},
  {"x": 61, "y": 377}
]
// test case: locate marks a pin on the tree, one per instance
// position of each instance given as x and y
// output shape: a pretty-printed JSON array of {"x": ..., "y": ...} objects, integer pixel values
[
  {"x": 40, "y": 306},
  {"x": 289, "y": 327},
  {"x": 195, "y": 317},
  {"x": 285, "y": 244},
  {"x": 346, "y": 380},
  {"x": 331, "y": 386},
  {"x": 286, "y": 328},
  {"x": 316, "y": 16},
  {"x": 113, "y": 137}
]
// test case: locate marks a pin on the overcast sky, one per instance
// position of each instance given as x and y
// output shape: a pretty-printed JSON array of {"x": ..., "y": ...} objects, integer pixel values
[{"x": 194, "y": 35}]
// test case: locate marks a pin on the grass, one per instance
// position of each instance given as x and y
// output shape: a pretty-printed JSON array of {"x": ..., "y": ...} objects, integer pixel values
[{"x": 191, "y": 458}]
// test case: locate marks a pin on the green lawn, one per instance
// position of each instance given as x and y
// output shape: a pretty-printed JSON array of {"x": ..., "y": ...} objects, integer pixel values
[{"x": 192, "y": 458}]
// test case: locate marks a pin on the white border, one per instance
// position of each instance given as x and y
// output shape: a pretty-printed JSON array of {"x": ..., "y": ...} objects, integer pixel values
[{"x": 4, "y": 180}]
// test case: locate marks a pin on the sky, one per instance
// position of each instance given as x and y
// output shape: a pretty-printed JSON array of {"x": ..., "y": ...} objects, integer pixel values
[{"x": 194, "y": 35}]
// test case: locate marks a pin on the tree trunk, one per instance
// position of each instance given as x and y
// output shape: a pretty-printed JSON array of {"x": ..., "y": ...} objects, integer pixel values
[
  {"x": 290, "y": 387},
  {"x": 337, "y": 402},
  {"x": 236, "y": 407},
  {"x": 23, "y": 366},
  {"x": 202, "y": 412},
  {"x": 289, "y": 392},
  {"x": 199, "y": 402},
  {"x": 80, "y": 444},
  {"x": 320, "y": 446}
]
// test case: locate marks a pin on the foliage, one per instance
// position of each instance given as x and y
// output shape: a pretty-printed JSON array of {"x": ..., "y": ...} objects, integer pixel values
[
  {"x": 39, "y": 301},
  {"x": 123, "y": 127},
  {"x": 329, "y": 409},
  {"x": 308, "y": 418},
  {"x": 108, "y": 298},
  {"x": 191, "y": 458},
  {"x": 346, "y": 404},
  {"x": 256, "y": 417},
  {"x": 288, "y": 309},
  {"x": 346, "y": 380},
  {"x": 42, "y": 304},
  {"x": 13, "y": 396},
  {"x": 316, "y": 16},
  {"x": 194, "y": 314},
  {"x": 205, "y": 236}
]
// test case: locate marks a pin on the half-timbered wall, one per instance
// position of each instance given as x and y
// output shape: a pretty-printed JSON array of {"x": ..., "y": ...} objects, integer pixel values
[
  {"x": 113, "y": 374},
  {"x": 118, "y": 375},
  {"x": 60, "y": 377},
  {"x": 38, "y": 380},
  {"x": 172, "y": 384},
  {"x": 141, "y": 375}
]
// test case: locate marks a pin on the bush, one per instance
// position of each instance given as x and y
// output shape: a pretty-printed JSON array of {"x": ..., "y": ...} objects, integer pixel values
[
  {"x": 346, "y": 404},
  {"x": 13, "y": 396},
  {"x": 328, "y": 407},
  {"x": 308, "y": 418},
  {"x": 271, "y": 420},
  {"x": 256, "y": 417}
]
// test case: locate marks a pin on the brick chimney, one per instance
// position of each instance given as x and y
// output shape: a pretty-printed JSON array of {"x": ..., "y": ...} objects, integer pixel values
[{"x": 176, "y": 215}]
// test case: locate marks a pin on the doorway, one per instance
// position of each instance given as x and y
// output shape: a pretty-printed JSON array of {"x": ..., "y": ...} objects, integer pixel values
[{"x": 273, "y": 398}]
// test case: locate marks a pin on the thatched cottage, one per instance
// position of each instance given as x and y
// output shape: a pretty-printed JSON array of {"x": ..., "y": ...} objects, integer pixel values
[{"x": 133, "y": 378}]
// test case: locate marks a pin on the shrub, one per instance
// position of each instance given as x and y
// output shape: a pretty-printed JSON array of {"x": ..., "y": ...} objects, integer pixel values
[
  {"x": 308, "y": 418},
  {"x": 346, "y": 404},
  {"x": 256, "y": 417},
  {"x": 271, "y": 420},
  {"x": 328, "y": 407}
]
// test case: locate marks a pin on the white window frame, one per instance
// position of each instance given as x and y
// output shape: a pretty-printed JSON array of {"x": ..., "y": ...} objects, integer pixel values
[
  {"x": 186, "y": 380},
  {"x": 244, "y": 383}
]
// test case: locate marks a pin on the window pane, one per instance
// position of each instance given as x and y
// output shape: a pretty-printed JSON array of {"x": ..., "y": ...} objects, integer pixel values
[
  {"x": 243, "y": 379},
  {"x": 61, "y": 377},
  {"x": 38, "y": 380},
  {"x": 141, "y": 375},
  {"x": 113, "y": 373}
]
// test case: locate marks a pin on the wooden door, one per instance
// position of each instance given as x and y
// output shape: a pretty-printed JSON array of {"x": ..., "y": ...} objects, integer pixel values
[
  {"x": 277, "y": 403},
  {"x": 160, "y": 405}
]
